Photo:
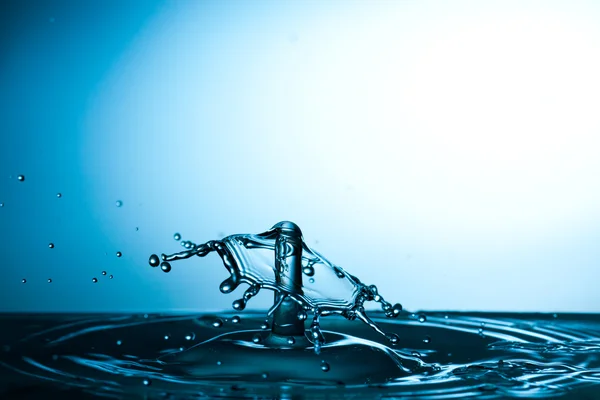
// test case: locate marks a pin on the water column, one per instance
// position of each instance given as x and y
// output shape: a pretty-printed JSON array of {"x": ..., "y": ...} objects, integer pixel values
[{"x": 288, "y": 267}]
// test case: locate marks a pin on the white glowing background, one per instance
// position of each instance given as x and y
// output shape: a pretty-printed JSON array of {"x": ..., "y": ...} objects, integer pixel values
[{"x": 445, "y": 151}]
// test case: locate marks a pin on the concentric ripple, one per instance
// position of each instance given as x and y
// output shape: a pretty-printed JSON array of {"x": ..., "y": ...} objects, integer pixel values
[{"x": 440, "y": 356}]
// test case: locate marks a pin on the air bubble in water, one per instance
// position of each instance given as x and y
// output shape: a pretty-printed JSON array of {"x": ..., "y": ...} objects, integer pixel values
[
  {"x": 236, "y": 319},
  {"x": 165, "y": 266},
  {"x": 103, "y": 272},
  {"x": 257, "y": 338},
  {"x": 21, "y": 178},
  {"x": 154, "y": 261},
  {"x": 95, "y": 280},
  {"x": 119, "y": 254},
  {"x": 177, "y": 236},
  {"x": 24, "y": 280},
  {"x": 302, "y": 315},
  {"x": 324, "y": 366},
  {"x": 422, "y": 318},
  {"x": 118, "y": 203},
  {"x": 217, "y": 323},
  {"x": 49, "y": 280},
  {"x": 190, "y": 336},
  {"x": 51, "y": 245}
]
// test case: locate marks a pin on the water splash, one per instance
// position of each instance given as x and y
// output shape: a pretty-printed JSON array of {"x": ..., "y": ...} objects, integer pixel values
[{"x": 277, "y": 260}]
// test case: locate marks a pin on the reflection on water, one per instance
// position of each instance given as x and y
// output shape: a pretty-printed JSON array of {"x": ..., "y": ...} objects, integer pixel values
[{"x": 447, "y": 356}]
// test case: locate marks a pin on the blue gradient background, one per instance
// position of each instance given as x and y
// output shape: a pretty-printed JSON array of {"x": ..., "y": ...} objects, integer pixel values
[{"x": 445, "y": 151}]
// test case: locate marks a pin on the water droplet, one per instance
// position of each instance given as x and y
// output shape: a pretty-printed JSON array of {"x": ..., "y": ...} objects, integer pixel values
[
  {"x": 167, "y": 337},
  {"x": 119, "y": 342},
  {"x": 177, "y": 236},
  {"x": 312, "y": 280},
  {"x": 554, "y": 316},
  {"x": 238, "y": 305},
  {"x": 165, "y": 266},
  {"x": 137, "y": 228},
  {"x": 219, "y": 363},
  {"x": 426, "y": 339},
  {"x": 308, "y": 271},
  {"x": 302, "y": 315},
  {"x": 396, "y": 310},
  {"x": 291, "y": 340},
  {"x": 51, "y": 245},
  {"x": 264, "y": 326},
  {"x": 145, "y": 315},
  {"x": 265, "y": 375},
  {"x": 422, "y": 318},
  {"x": 59, "y": 195},
  {"x": 416, "y": 354},
  {"x": 236, "y": 319},
  {"x": 110, "y": 277},
  {"x": 119, "y": 254},
  {"x": 154, "y": 261},
  {"x": 480, "y": 332},
  {"x": 393, "y": 338},
  {"x": 217, "y": 323},
  {"x": 190, "y": 336},
  {"x": 257, "y": 338},
  {"x": 147, "y": 382},
  {"x": 118, "y": 203},
  {"x": 103, "y": 272},
  {"x": 95, "y": 280},
  {"x": 324, "y": 366},
  {"x": 49, "y": 280},
  {"x": 21, "y": 178},
  {"x": 1, "y": 204}
]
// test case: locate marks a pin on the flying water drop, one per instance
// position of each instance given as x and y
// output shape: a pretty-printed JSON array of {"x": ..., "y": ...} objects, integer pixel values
[
  {"x": 324, "y": 366},
  {"x": 103, "y": 272},
  {"x": 24, "y": 280},
  {"x": 119, "y": 254},
  {"x": 154, "y": 261},
  {"x": 59, "y": 195},
  {"x": 49, "y": 280},
  {"x": 21, "y": 178},
  {"x": 165, "y": 266},
  {"x": 235, "y": 319},
  {"x": 118, "y": 203},
  {"x": 51, "y": 245},
  {"x": 217, "y": 323},
  {"x": 95, "y": 280},
  {"x": 177, "y": 236},
  {"x": 422, "y": 318}
]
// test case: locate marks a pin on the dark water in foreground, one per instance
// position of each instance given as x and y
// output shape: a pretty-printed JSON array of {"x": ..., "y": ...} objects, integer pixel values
[{"x": 449, "y": 355}]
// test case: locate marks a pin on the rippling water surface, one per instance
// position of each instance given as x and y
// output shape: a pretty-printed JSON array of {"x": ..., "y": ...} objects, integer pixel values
[{"x": 440, "y": 356}]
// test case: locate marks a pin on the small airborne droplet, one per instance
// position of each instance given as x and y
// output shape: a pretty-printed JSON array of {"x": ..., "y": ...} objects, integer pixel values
[
  {"x": 426, "y": 339},
  {"x": 393, "y": 338},
  {"x": 110, "y": 277},
  {"x": 103, "y": 272},
  {"x": 167, "y": 337},
  {"x": 119, "y": 254},
  {"x": 1, "y": 204},
  {"x": 422, "y": 318},
  {"x": 312, "y": 280},
  {"x": 49, "y": 280},
  {"x": 264, "y": 326},
  {"x": 397, "y": 309},
  {"x": 324, "y": 366},
  {"x": 291, "y": 340},
  {"x": 265, "y": 375},
  {"x": 21, "y": 178},
  {"x": 154, "y": 261},
  {"x": 257, "y": 338},
  {"x": 118, "y": 203},
  {"x": 236, "y": 319},
  {"x": 24, "y": 280},
  {"x": 302, "y": 315},
  {"x": 147, "y": 382},
  {"x": 165, "y": 266},
  {"x": 308, "y": 271},
  {"x": 95, "y": 280},
  {"x": 59, "y": 195},
  {"x": 177, "y": 236},
  {"x": 217, "y": 323},
  {"x": 119, "y": 342},
  {"x": 51, "y": 245},
  {"x": 219, "y": 363}
]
